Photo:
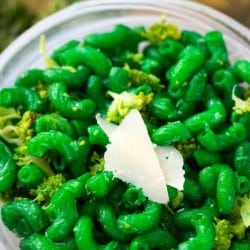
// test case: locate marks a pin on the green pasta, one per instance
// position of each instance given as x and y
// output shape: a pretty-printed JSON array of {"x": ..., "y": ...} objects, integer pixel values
[{"x": 55, "y": 189}]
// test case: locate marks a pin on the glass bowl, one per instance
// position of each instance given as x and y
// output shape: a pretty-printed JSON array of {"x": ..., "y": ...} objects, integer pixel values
[{"x": 87, "y": 17}]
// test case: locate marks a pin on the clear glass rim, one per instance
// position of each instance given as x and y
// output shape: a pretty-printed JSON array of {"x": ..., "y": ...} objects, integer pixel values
[
  {"x": 55, "y": 18},
  {"x": 86, "y": 6}
]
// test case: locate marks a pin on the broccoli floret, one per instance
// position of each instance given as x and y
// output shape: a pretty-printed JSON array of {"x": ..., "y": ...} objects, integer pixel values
[
  {"x": 161, "y": 31},
  {"x": 224, "y": 235},
  {"x": 47, "y": 188},
  {"x": 244, "y": 208},
  {"x": 97, "y": 163},
  {"x": 187, "y": 147},
  {"x": 138, "y": 77},
  {"x": 234, "y": 225},
  {"x": 241, "y": 105},
  {"x": 25, "y": 131},
  {"x": 8, "y": 130},
  {"x": 122, "y": 103}
]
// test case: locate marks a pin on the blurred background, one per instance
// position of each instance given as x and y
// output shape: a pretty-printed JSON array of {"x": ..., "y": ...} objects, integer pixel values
[{"x": 18, "y": 15}]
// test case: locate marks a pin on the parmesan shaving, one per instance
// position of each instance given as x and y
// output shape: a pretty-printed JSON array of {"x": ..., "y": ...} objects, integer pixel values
[{"x": 133, "y": 158}]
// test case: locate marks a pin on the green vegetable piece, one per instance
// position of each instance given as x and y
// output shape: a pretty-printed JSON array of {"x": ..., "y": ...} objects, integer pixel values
[
  {"x": 21, "y": 97},
  {"x": 62, "y": 213},
  {"x": 8, "y": 168},
  {"x": 89, "y": 56},
  {"x": 170, "y": 133},
  {"x": 24, "y": 217},
  {"x": 157, "y": 238},
  {"x": 204, "y": 228},
  {"x": 241, "y": 69},
  {"x": 242, "y": 159},
  {"x": 190, "y": 61},
  {"x": 140, "y": 222},
  {"x": 231, "y": 136},
  {"x": 40, "y": 242},
  {"x": 30, "y": 175},
  {"x": 49, "y": 122},
  {"x": 30, "y": 78},
  {"x": 67, "y": 106},
  {"x": 72, "y": 78},
  {"x": 97, "y": 136},
  {"x": 218, "y": 181},
  {"x": 118, "y": 80},
  {"x": 84, "y": 236},
  {"x": 217, "y": 50}
]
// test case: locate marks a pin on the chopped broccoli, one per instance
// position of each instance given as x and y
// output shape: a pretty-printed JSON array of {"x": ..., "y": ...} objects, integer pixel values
[
  {"x": 97, "y": 163},
  {"x": 224, "y": 235},
  {"x": 234, "y": 225},
  {"x": 138, "y": 77},
  {"x": 47, "y": 188},
  {"x": 187, "y": 147},
  {"x": 124, "y": 102},
  {"x": 245, "y": 209},
  {"x": 8, "y": 131},
  {"x": 25, "y": 131},
  {"x": 241, "y": 106},
  {"x": 161, "y": 31}
]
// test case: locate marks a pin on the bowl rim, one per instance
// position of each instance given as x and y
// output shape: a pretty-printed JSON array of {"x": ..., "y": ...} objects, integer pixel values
[{"x": 62, "y": 15}]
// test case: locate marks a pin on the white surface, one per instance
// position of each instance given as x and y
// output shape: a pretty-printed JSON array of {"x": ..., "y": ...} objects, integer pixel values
[{"x": 94, "y": 16}]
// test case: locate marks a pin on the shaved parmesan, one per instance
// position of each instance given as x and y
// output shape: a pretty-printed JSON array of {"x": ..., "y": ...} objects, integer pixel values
[
  {"x": 107, "y": 127},
  {"x": 171, "y": 162},
  {"x": 133, "y": 158}
]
